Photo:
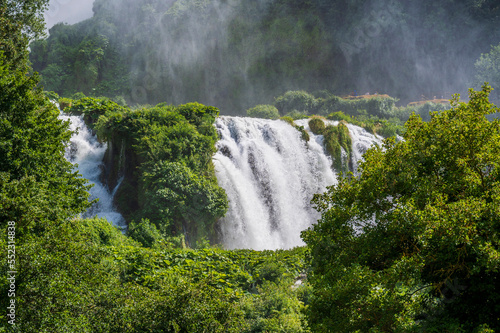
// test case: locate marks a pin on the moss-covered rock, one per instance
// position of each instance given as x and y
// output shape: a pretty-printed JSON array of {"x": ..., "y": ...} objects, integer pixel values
[
  {"x": 338, "y": 140},
  {"x": 317, "y": 125},
  {"x": 303, "y": 133}
]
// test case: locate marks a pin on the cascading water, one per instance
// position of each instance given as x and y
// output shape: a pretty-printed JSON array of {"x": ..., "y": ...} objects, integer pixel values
[
  {"x": 87, "y": 153},
  {"x": 361, "y": 142},
  {"x": 270, "y": 174}
]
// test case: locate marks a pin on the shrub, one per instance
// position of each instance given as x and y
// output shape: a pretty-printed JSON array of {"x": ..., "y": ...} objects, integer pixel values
[
  {"x": 65, "y": 103},
  {"x": 53, "y": 96},
  {"x": 339, "y": 115},
  {"x": 317, "y": 125},
  {"x": 145, "y": 233},
  {"x": 78, "y": 95},
  {"x": 300, "y": 101},
  {"x": 92, "y": 108},
  {"x": 296, "y": 115},
  {"x": 263, "y": 111}
]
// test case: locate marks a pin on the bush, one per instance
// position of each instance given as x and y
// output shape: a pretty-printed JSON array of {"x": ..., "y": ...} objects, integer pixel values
[
  {"x": 296, "y": 115},
  {"x": 380, "y": 106},
  {"x": 276, "y": 308},
  {"x": 78, "y": 95},
  {"x": 339, "y": 115},
  {"x": 120, "y": 100},
  {"x": 299, "y": 101},
  {"x": 263, "y": 111},
  {"x": 92, "y": 108},
  {"x": 65, "y": 103},
  {"x": 53, "y": 96},
  {"x": 317, "y": 125},
  {"x": 145, "y": 233}
]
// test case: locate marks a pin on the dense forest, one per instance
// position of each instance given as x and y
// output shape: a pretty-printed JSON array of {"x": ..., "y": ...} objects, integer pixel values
[
  {"x": 236, "y": 54},
  {"x": 410, "y": 243}
]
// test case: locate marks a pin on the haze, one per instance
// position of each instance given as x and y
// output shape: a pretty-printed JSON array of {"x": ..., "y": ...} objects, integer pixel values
[{"x": 68, "y": 11}]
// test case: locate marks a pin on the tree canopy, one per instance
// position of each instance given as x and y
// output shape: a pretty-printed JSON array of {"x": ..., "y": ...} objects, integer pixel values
[
  {"x": 413, "y": 243},
  {"x": 37, "y": 184},
  {"x": 488, "y": 69},
  {"x": 21, "y": 22},
  {"x": 235, "y": 54}
]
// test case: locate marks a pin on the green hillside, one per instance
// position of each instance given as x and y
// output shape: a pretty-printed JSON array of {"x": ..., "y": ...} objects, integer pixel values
[{"x": 236, "y": 54}]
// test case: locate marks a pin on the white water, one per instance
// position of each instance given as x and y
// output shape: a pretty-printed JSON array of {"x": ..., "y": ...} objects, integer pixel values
[
  {"x": 270, "y": 176},
  {"x": 268, "y": 172},
  {"x": 86, "y": 152}
]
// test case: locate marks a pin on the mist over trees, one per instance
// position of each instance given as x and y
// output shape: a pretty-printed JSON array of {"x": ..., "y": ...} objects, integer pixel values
[
  {"x": 488, "y": 69},
  {"x": 236, "y": 54}
]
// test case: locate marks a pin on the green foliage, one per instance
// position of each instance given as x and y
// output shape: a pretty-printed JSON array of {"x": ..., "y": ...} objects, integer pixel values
[
  {"x": 379, "y": 106},
  {"x": 177, "y": 199},
  {"x": 169, "y": 175},
  {"x": 78, "y": 60},
  {"x": 288, "y": 119},
  {"x": 382, "y": 117},
  {"x": 263, "y": 111},
  {"x": 91, "y": 108},
  {"x": 268, "y": 48},
  {"x": 64, "y": 102},
  {"x": 488, "y": 70},
  {"x": 317, "y": 125},
  {"x": 300, "y": 101},
  {"x": 423, "y": 110},
  {"x": 296, "y": 115},
  {"x": 411, "y": 245},
  {"x": 234, "y": 271},
  {"x": 375, "y": 125},
  {"x": 74, "y": 278},
  {"x": 53, "y": 96},
  {"x": 145, "y": 233},
  {"x": 275, "y": 308},
  {"x": 21, "y": 22},
  {"x": 338, "y": 144},
  {"x": 78, "y": 95},
  {"x": 37, "y": 184}
]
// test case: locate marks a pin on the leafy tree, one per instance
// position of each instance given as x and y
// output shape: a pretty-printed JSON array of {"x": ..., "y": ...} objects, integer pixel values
[
  {"x": 488, "y": 69},
  {"x": 37, "y": 183},
  {"x": 275, "y": 308},
  {"x": 413, "y": 243},
  {"x": 144, "y": 232},
  {"x": 165, "y": 153},
  {"x": 179, "y": 200},
  {"x": 21, "y": 21}
]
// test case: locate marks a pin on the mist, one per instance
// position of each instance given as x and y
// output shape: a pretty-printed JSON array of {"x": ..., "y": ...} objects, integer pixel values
[
  {"x": 235, "y": 54},
  {"x": 68, "y": 11}
]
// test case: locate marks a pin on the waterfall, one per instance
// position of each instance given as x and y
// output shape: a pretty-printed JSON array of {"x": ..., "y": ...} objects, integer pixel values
[
  {"x": 361, "y": 141},
  {"x": 87, "y": 153},
  {"x": 270, "y": 175}
]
